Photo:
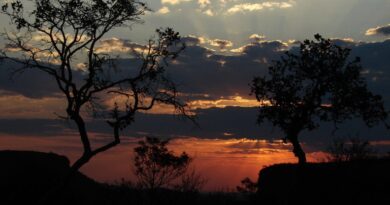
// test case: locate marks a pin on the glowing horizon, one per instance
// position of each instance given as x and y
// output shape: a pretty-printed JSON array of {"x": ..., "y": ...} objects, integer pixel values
[{"x": 224, "y": 163}]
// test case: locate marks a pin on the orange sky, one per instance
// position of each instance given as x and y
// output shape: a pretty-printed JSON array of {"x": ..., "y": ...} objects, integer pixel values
[{"x": 222, "y": 162}]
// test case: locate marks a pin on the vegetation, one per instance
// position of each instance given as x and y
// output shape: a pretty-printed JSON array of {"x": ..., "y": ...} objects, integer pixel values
[
  {"x": 354, "y": 149},
  {"x": 191, "y": 182},
  {"x": 356, "y": 182},
  {"x": 21, "y": 187},
  {"x": 318, "y": 83},
  {"x": 68, "y": 33},
  {"x": 157, "y": 167},
  {"x": 247, "y": 186}
]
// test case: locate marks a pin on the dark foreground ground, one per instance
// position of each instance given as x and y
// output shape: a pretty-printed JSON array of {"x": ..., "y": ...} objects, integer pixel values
[
  {"x": 34, "y": 178},
  {"x": 356, "y": 182}
]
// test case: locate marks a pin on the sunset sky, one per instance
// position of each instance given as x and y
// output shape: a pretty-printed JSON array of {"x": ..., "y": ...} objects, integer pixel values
[{"x": 228, "y": 43}]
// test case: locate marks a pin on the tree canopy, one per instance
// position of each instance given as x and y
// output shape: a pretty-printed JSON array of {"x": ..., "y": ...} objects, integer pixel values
[
  {"x": 320, "y": 82},
  {"x": 58, "y": 36}
]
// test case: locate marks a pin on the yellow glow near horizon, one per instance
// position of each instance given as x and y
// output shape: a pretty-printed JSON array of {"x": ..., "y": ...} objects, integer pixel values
[
  {"x": 234, "y": 101},
  {"x": 222, "y": 102},
  {"x": 223, "y": 162}
]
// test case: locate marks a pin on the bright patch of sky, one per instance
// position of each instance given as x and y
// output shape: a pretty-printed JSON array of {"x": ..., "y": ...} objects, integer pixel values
[{"x": 236, "y": 20}]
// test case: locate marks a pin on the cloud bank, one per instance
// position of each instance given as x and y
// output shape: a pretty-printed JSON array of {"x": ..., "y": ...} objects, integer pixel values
[
  {"x": 214, "y": 82},
  {"x": 379, "y": 30}
]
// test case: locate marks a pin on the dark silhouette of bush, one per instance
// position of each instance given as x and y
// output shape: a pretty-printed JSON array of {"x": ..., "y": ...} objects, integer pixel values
[
  {"x": 318, "y": 83},
  {"x": 247, "y": 186},
  {"x": 155, "y": 166},
  {"x": 350, "y": 150},
  {"x": 190, "y": 182}
]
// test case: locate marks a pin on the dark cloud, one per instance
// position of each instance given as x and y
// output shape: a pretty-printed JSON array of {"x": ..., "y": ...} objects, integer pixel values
[
  {"x": 35, "y": 127},
  {"x": 199, "y": 71},
  {"x": 380, "y": 30},
  {"x": 214, "y": 123},
  {"x": 376, "y": 64},
  {"x": 30, "y": 83},
  {"x": 192, "y": 40},
  {"x": 345, "y": 42},
  {"x": 202, "y": 73}
]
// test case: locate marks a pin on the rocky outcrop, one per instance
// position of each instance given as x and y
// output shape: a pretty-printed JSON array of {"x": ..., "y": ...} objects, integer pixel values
[
  {"x": 359, "y": 182},
  {"x": 28, "y": 177}
]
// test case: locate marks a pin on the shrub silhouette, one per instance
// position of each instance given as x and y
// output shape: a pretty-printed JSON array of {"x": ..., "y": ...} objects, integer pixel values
[
  {"x": 354, "y": 149},
  {"x": 247, "y": 186},
  {"x": 318, "y": 83},
  {"x": 156, "y": 166},
  {"x": 191, "y": 181}
]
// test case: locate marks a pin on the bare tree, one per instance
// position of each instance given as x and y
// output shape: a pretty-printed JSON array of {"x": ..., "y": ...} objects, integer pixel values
[
  {"x": 155, "y": 166},
  {"x": 58, "y": 34},
  {"x": 316, "y": 84}
]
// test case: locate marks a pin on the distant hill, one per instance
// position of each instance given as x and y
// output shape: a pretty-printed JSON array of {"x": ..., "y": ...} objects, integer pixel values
[{"x": 356, "y": 182}]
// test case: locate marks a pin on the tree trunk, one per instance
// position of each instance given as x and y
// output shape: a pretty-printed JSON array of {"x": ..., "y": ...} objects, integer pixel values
[
  {"x": 85, "y": 141},
  {"x": 297, "y": 149},
  {"x": 88, "y": 151},
  {"x": 80, "y": 162}
]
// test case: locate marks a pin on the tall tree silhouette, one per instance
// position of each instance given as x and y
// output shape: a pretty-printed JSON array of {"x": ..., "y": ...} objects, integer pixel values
[
  {"x": 56, "y": 34},
  {"x": 316, "y": 84}
]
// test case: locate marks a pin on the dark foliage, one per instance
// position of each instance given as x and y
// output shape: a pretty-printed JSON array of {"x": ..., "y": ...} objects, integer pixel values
[
  {"x": 319, "y": 83},
  {"x": 155, "y": 166},
  {"x": 350, "y": 150},
  {"x": 190, "y": 182},
  {"x": 69, "y": 31},
  {"x": 247, "y": 186}
]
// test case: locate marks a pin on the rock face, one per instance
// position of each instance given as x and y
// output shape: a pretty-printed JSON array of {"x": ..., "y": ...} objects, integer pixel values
[
  {"x": 28, "y": 177},
  {"x": 360, "y": 182}
]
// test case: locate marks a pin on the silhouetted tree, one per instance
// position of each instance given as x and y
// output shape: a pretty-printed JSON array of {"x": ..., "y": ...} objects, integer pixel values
[
  {"x": 316, "y": 84},
  {"x": 353, "y": 149},
  {"x": 155, "y": 166},
  {"x": 57, "y": 34}
]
